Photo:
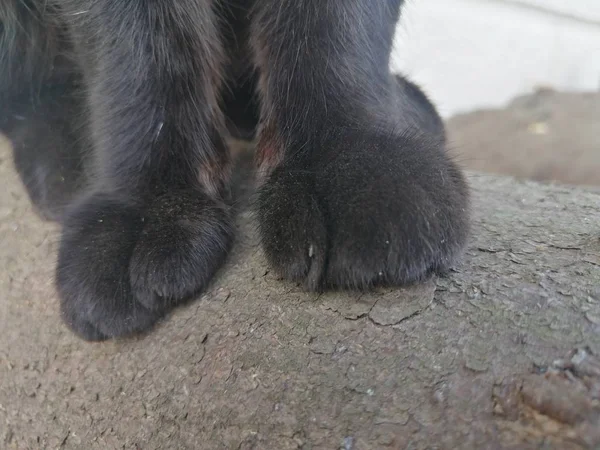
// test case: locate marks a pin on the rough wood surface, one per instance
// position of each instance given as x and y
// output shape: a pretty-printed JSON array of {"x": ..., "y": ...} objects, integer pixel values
[{"x": 500, "y": 354}]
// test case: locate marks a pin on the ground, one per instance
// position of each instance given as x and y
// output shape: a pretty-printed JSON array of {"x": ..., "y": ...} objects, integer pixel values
[
  {"x": 500, "y": 354},
  {"x": 547, "y": 136}
]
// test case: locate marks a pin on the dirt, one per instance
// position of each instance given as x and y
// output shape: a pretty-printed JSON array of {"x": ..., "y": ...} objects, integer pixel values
[
  {"x": 547, "y": 136},
  {"x": 500, "y": 354}
]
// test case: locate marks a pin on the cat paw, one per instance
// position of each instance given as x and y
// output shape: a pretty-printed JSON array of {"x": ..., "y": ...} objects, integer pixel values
[
  {"x": 184, "y": 241},
  {"x": 367, "y": 208},
  {"x": 122, "y": 266}
]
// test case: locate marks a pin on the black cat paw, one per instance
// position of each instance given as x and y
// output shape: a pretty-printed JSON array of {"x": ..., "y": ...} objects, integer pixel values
[
  {"x": 185, "y": 239},
  {"x": 368, "y": 208},
  {"x": 121, "y": 267}
]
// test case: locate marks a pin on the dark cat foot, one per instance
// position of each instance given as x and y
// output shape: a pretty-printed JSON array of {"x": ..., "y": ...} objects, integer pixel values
[
  {"x": 366, "y": 208},
  {"x": 122, "y": 266}
]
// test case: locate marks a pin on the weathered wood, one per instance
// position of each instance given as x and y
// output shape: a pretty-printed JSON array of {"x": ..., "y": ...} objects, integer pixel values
[{"x": 456, "y": 362}]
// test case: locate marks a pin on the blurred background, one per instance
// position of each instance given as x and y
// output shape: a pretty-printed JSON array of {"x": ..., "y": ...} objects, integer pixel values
[{"x": 517, "y": 80}]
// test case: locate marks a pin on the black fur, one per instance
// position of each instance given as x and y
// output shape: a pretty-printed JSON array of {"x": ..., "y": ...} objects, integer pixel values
[{"x": 119, "y": 113}]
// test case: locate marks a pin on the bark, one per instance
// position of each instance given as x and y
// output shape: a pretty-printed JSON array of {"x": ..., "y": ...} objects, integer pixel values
[{"x": 499, "y": 354}]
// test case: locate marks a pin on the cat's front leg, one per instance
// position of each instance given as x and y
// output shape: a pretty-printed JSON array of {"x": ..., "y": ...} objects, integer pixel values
[
  {"x": 155, "y": 227},
  {"x": 357, "y": 187}
]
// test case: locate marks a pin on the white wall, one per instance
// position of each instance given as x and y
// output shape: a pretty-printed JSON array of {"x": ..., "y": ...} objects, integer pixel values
[
  {"x": 471, "y": 54},
  {"x": 586, "y": 10}
]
